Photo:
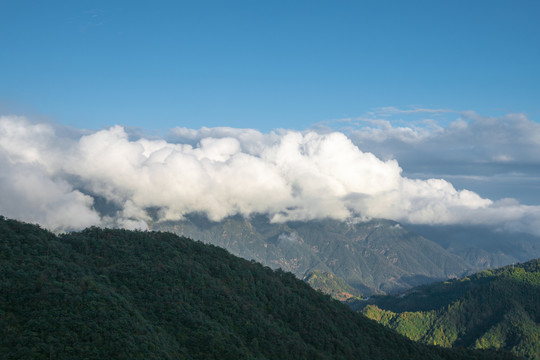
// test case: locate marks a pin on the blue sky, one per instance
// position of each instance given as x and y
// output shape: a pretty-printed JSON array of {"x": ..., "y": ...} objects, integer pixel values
[
  {"x": 445, "y": 94},
  {"x": 264, "y": 65}
]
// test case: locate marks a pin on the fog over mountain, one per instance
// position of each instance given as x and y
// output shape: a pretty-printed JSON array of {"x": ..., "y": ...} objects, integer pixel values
[{"x": 57, "y": 177}]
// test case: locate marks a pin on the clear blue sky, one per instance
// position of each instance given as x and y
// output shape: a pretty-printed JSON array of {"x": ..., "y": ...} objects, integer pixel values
[{"x": 264, "y": 64}]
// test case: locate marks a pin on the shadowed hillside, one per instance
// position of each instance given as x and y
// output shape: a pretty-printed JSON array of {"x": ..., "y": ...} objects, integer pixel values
[{"x": 116, "y": 294}]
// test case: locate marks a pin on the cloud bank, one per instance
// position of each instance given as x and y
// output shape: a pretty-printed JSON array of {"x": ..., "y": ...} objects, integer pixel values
[
  {"x": 495, "y": 156},
  {"x": 58, "y": 180},
  {"x": 510, "y": 138}
]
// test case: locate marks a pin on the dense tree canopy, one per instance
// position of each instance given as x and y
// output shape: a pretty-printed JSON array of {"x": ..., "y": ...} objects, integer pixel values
[
  {"x": 117, "y": 294},
  {"x": 497, "y": 309}
]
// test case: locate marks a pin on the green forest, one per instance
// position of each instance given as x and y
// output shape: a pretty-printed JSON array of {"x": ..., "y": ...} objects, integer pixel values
[
  {"x": 118, "y": 294},
  {"x": 493, "y": 309}
]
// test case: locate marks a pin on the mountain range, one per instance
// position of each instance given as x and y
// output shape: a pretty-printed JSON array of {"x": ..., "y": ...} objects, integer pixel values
[
  {"x": 483, "y": 247},
  {"x": 373, "y": 257},
  {"x": 118, "y": 294}
]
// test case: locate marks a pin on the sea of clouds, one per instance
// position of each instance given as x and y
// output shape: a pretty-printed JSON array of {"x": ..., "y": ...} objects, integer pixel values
[{"x": 55, "y": 177}]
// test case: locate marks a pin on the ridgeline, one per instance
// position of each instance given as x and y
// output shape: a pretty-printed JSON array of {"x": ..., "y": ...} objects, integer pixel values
[
  {"x": 493, "y": 309},
  {"x": 117, "y": 294}
]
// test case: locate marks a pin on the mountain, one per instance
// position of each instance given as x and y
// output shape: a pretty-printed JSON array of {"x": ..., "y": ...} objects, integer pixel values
[
  {"x": 483, "y": 247},
  {"x": 377, "y": 256},
  {"x": 497, "y": 309},
  {"x": 118, "y": 294}
]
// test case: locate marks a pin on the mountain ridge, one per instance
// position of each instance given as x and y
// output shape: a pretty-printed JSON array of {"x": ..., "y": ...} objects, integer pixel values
[
  {"x": 496, "y": 308},
  {"x": 120, "y": 294},
  {"x": 481, "y": 246}
]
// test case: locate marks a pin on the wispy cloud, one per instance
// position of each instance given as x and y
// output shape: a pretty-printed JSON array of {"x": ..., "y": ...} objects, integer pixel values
[
  {"x": 391, "y": 110},
  {"x": 469, "y": 145},
  {"x": 469, "y": 137},
  {"x": 289, "y": 175}
]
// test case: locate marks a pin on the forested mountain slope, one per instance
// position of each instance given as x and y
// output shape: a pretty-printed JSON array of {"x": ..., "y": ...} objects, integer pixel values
[
  {"x": 491, "y": 309},
  {"x": 376, "y": 256},
  {"x": 117, "y": 294}
]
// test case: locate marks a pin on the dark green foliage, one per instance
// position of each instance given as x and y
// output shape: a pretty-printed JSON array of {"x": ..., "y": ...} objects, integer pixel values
[
  {"x": 116, "y": 294},
  {"x": 492, "y": 309}
]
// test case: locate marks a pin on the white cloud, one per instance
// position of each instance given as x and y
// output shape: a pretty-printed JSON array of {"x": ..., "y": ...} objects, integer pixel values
[
  {"x": 470, "y": 137},
  {"x": 31, "y": 194},
  {"x": 391, "y": 110},
  {"x": 289, "y": 175},
  {"x": 379, "y": 130},
  {"x": 289, "y": 237}
]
